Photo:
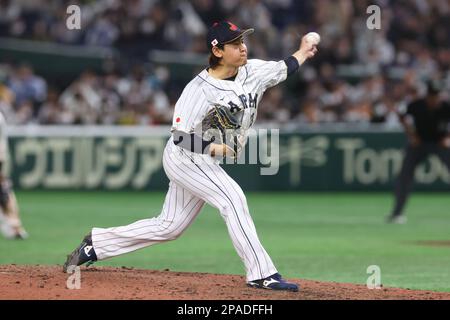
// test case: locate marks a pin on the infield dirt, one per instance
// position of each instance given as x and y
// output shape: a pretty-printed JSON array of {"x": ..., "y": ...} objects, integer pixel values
[{"x": 50, "y": 283}]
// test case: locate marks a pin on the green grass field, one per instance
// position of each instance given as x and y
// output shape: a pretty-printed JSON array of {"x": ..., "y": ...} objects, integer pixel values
[{"x": 329, "y": 237}]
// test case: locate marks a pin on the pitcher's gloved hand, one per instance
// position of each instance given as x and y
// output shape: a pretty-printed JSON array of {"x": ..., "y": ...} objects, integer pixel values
[{"x": 221, "y": 126}]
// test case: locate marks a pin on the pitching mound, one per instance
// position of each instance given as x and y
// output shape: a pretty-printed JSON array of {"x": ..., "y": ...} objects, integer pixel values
[{"x": 49, "y": 282}]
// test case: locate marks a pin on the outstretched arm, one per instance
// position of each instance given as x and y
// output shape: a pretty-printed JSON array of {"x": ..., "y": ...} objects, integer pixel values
[
  {"x": 307, "y": 49},
  {"x": 272, "y": 73}
]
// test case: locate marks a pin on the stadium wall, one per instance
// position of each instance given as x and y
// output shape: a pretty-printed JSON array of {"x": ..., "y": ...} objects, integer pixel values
[{"x": 118, "y": 158}]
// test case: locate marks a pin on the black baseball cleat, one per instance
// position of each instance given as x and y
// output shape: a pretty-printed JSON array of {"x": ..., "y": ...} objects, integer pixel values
[
  {"x": 84, "y": 253},
  {"x": 274, "y": 282}
]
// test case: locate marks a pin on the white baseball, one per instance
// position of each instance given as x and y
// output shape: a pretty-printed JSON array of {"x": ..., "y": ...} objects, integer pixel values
[{"x": 313, "y": 37}]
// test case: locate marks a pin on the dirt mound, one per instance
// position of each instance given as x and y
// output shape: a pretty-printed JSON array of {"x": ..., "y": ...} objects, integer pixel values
[{"x": 49, "y": 282}]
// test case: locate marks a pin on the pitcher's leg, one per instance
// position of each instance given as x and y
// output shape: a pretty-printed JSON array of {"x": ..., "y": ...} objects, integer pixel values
[
  {"x": 179, "y": 210},
  {"x": 237, "y": 217},
  {"x": 211, "y": 183}
]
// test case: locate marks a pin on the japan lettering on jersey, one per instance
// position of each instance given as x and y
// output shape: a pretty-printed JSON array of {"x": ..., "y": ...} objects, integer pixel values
[{"x": 242, "y": 95}]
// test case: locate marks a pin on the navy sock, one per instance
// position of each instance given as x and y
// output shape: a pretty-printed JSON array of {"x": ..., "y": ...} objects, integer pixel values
[{"x": 88, "y": 253}]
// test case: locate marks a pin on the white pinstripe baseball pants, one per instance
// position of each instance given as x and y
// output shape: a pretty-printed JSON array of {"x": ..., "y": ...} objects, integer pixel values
[{"x": 194, "y": 180}]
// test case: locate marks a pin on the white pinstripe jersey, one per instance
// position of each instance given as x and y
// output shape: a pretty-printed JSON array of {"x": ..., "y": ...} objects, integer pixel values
[{"x": 241, "y": 95}]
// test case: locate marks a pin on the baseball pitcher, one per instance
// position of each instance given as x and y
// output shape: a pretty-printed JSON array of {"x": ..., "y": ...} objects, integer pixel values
[{"x": 223, "y": 97}]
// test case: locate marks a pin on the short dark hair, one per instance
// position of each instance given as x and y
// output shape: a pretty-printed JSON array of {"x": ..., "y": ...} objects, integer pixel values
[{"x": 213, "y": 60}]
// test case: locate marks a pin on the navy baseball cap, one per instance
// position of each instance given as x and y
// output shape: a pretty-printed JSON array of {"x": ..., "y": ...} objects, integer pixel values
[{"x": 224, "y": 32}]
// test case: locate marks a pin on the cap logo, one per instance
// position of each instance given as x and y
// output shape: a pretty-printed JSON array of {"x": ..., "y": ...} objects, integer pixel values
[
  {"x": 214, "y": 42},
  {"x": 233, "y": 27}
]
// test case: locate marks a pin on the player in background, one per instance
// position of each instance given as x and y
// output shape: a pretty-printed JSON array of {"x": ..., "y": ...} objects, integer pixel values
[
  {"x": 233, "y": 82},
  {"x": 10, "y": 223},
  {"x": 426, "y": 122}
]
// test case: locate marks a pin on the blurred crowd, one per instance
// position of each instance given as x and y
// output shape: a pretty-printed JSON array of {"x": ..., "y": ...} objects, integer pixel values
[
  {"x": 134, "y": 99},
  {"x": 360, "y": 75}
]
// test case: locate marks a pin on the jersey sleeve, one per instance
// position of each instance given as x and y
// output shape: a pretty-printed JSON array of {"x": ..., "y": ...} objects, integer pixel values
[
  {"x": 180, "y": 111},
  {"x": 270, "y": 73},
  {"x": 190, "y": 108}
]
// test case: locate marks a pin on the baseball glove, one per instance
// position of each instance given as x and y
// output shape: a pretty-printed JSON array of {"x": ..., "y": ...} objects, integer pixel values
[{"x": 221, "y": 126}]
